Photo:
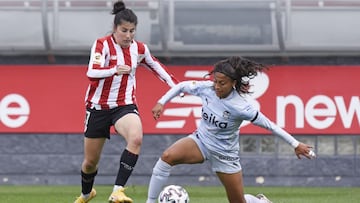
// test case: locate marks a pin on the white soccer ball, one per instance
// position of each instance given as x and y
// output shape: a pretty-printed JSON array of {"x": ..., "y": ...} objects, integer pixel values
[{"x": 173, "y": 194}]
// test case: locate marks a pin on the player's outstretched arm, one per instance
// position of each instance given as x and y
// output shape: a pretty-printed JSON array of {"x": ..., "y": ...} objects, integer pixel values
[{"x": 304, "y": 150}]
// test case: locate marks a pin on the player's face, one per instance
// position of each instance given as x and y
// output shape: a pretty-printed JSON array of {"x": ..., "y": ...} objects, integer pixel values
[
  {"x": 223, "y": 85},
  {"x": 124, "y": 34}
]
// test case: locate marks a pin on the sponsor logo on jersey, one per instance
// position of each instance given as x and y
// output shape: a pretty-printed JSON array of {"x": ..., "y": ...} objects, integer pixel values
[{"x": 213, "y": 120}]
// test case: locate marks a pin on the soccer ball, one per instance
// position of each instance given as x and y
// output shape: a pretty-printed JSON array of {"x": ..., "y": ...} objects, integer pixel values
[{"x": 173, "y": 194}]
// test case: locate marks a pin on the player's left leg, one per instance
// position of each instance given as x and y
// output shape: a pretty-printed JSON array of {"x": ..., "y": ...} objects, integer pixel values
[
  {"x": 129, "y": 126},
  {"x": 233, "y": 184}
]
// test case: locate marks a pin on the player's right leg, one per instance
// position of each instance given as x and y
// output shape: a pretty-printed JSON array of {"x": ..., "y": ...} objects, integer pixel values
[
  {"x": 92, "y": 151},
  {"x": 159, "y": 177},
  {"x": 97, "y": 130}
]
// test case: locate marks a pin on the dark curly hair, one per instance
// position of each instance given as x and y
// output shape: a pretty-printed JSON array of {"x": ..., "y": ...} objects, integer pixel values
[{"x": 240, "y": 69}]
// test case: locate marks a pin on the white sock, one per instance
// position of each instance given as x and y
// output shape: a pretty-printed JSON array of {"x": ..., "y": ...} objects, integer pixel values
[
  {"x": 85, "y": 196},
  {"x": 159, "y": 177},
  {"x": 252, "y": 199},
  {"x": 116, "y": 187}
]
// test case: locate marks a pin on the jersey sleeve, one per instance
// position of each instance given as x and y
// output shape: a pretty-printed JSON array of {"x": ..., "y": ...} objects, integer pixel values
[
  {"x": 191, "y": 87},
  {"x": 96, "y": 67},
  {"x": 262, "y": 121},
  {"x": 157, "y": 68}
]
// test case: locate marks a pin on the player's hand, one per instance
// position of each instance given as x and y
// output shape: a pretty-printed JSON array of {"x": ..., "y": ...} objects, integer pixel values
[
  {"x": 304, "y": 150},
  {"x": 156, "y": 111},
  {"x": 123, "y": 69}
]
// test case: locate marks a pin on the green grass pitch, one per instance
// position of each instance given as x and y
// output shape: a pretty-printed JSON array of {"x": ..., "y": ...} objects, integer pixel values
[{"x": 198, "y": 194}]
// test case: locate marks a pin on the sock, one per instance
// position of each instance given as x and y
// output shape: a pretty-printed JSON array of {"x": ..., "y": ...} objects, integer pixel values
[
  {"x": 159, "y": 177},
  {"x": 116, "y": 187},
  {"x": 252, "y": 199},
  {"x": 87, "y": 182},
  {"x": 86, "y": 196},
  {"x": 127, "y": 164}
]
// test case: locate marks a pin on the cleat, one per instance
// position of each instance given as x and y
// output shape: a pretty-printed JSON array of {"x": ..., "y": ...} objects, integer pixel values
[
  {"x": 263, "y": 197},
  {"x": 119, "y": 196},
  {"x": 81, "y": 199}
]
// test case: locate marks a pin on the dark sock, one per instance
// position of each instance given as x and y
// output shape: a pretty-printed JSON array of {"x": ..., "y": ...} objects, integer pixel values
[
  {"x": 87, "y": 182},
  {"x": 127, "y": 163}
]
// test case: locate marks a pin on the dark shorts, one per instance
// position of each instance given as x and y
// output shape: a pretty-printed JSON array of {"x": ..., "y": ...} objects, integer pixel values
[{"x": 99, "y": 122}]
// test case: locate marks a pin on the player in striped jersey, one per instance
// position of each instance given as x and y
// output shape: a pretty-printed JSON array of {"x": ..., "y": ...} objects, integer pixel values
[
  {"x": 111, "y": 100},
  {"x": 216, "y": 139}
]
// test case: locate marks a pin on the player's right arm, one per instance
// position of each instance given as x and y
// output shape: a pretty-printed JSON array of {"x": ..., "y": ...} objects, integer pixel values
[{"x": 191, "y": 87}]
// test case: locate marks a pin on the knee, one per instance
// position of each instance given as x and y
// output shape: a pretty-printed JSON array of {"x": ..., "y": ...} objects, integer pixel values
[
  {"x": 135, "y": 140},
  {"x": 167, "y": 157},
  {"x": 89, "y": 166}
]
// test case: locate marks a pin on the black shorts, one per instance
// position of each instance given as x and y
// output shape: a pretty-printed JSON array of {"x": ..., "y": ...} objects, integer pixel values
[{"x": 99, "y": 122}]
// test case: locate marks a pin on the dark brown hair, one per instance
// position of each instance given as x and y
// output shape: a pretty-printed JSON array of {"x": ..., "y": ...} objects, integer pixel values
[{"x": 123, "y": 14}]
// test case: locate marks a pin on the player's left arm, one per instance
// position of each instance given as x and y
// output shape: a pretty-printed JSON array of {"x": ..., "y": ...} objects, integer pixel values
[
  {"x": 300, "y": 148},
  {"x": 157, "y": 68}
]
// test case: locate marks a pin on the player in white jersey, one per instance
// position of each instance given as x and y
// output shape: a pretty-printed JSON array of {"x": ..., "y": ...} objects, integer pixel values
[
  {"x": 217, "y": 138},
  {"x": 111, "y": 101}
]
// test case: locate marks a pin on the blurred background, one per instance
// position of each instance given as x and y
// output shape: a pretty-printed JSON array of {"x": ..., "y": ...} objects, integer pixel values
[
  {"x": 295, "y": 34},
  {"x": 181, "y": 28}
]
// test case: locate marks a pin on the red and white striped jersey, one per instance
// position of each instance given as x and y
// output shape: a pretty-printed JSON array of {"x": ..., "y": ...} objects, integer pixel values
[{"x": 107, "y": 90}]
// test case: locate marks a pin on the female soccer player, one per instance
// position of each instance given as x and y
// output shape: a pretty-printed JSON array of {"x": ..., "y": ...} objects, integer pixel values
[
  {"x": 111, "y": 101},
  {"x": 216, "y": 139}
]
